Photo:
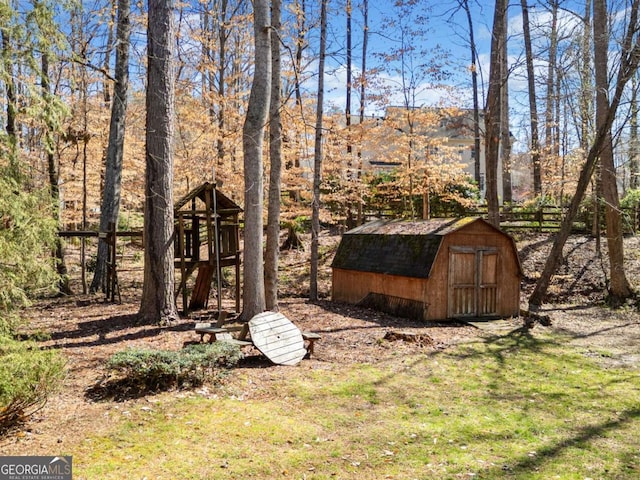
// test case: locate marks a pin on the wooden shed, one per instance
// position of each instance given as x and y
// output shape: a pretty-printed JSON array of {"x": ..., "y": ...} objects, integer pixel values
[{"x": 430, "y": 270}]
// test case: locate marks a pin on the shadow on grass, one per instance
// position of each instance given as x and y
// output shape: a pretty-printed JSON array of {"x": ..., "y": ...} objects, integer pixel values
[
  {"x": 498, "y": 346},
  {"x": 608, "y": 329},
  {"x": 580, "y": 439}
]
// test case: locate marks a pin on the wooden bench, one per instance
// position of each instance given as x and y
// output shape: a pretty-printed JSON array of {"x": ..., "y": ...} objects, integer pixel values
[
  {"x": 206, "y": 329},
  {"x": 276, "y": 331},
  {"x": 215, "y": 333},
  {"x": 227, "y": 338},
  {"x": 311, "y": 338}
]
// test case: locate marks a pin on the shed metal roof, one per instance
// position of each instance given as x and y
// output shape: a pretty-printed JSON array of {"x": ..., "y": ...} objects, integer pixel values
[{"x": 396, "y": 247}]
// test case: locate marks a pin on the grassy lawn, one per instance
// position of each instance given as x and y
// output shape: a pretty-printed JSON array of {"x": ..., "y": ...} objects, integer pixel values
[{"x": 516, "y": 406}]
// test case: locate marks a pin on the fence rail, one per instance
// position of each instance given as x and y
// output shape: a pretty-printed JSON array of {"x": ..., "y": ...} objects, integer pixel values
[{"x": 542, "y": 219}]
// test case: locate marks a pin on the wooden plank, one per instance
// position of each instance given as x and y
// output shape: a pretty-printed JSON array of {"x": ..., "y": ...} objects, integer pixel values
[
  {"x": 78, "y": 233},
  {"x": 183, "y": 266},
  {"x": 93, "y": 233},
  {"x": 277, "y": 338},
  {"x": 202, "y": 288},
  {"x": 235, "y": 341}
]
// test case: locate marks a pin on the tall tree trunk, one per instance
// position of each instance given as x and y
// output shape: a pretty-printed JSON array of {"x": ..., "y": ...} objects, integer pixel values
[
  {"x": 252, "y": 142},
  {"x": 363, "y": 66},
  {"x": 158, "y": 303},
  {"x": 586, "y": 80},
  {"x": 349, "y": 177},
  {"x": 272, "y": 252},
  {"x": 222, "y": 68},
  {"x": 559, "y": 159},
  {"x": 363, "y": 98},
  {"x": 347, "y": 109},
  {"x": 300, "y": 8},
  {"x": 317, "y": 157},
  {"x": 54, "y": 176},
  {"x": 630, "y": 57},
  {"x": 84, "y": 93},
  {"x": 476, "y": 102},
  {"x": 106, "y": 64},
  {"x": 634, "y": 140},
  {"x": 205, "y": 60},
  {"x": 505, "y": 131},
  {"x": 619, "y": 288},
  {"x": 492, "y": 115},
  {"x": 411, "y": 124},
  {"x": 111, "y": 194},
  {"x": 550, "y": 122},
  {"x": 533, "y": 108}
]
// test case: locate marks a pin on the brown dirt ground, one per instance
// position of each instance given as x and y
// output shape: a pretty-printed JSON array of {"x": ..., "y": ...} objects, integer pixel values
[{"x": 87, "y": 331}]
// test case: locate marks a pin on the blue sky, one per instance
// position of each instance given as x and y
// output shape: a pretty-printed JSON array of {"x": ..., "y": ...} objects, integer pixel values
[
  {"x": 445, "y": 29},
  {"x": 450, "y": 32}
]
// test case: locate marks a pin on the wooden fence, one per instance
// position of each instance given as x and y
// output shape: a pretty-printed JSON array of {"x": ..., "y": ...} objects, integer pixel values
[
  {"x": 549, "y": 219},
  {"x": 111, "y": 238},
  {"x": 542, "y": 219}
]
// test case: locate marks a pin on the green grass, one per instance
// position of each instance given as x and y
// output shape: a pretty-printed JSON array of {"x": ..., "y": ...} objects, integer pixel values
[{"x": 516, "y": 407}]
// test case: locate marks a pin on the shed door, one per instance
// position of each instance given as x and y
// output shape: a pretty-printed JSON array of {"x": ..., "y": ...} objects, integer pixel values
[{"x": 473, "y": 285}]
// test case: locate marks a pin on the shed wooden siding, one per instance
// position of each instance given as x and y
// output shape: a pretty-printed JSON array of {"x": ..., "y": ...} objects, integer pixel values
[{"x": 431, "y": 287}]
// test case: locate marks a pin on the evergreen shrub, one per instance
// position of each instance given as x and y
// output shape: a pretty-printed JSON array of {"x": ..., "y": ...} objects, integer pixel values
[
  {"x": 152, "y": 370},
  {"x": 28, "y": 376}
]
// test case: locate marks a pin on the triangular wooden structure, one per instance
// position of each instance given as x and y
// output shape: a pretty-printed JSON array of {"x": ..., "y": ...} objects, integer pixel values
[{"x": 207, "y": 239}]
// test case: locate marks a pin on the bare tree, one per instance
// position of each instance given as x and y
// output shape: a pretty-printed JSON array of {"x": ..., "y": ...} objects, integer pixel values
[
  {"x": 363, "y": 97},
  {"x": 158, "y": 304},
  {"x": 464, "y": 4},
  {"x": 363, "y": 67},
  {"x": 317, "y": 157},
  {"x": 505, "y": 130},
  {"x": 550, "y": 120},
  {"x": 106, "y": 63},
  {"x": 300, "y": 9},
  {"x": 619, "y": 288},
  {"x": 533, "y": 108},
  {"x": 628, "y": 65},
  {"x": 492, "y": 115},
  {"x": 634, "y": 140},
  {"x": 347, "y": 109},
  {"x": 115, "y": 149},
  {"x": 275, "y": 170},
  {"x": 252, "y": 143},
  {"x": 223, "y": 35},
  {"x": 54, "y": 173}
]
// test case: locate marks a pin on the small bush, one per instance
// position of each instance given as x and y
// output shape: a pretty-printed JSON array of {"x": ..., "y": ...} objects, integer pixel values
[
  {"x": 631, "y": 199},
  {"x": 148, "y": 370},
  {"x": 28, "y": 376}
]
